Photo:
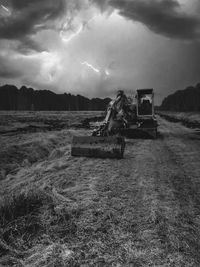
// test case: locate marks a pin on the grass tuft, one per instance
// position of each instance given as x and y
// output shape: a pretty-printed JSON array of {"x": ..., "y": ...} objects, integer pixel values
[{"x": 33, "y": 223}]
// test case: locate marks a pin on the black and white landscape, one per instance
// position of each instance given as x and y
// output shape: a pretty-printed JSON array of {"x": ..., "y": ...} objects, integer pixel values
[{"x": 61, "y": 63}]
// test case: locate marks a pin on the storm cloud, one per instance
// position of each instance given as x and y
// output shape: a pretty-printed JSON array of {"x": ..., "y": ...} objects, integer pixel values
[
  {"x": 22, "y": 19},
  {"x": 27, "y": 17},
  {"x": 164, "y": 17},
  {"x": 94, "y": 47}
]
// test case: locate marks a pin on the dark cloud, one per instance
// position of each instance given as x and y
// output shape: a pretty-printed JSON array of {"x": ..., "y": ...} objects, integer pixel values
[
  {"x": 161, "y": 16},
  {"x": 21, "y": 4},
  {"x": 27, "y": 17}
]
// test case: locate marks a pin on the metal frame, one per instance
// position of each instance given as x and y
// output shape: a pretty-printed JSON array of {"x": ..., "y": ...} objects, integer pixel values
[{"x": 145, "y": 92}]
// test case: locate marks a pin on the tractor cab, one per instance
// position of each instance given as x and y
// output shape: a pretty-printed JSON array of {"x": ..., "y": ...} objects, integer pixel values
[
  {"x": 146, "y": 119},
  {"x": 145, "y": 105}
]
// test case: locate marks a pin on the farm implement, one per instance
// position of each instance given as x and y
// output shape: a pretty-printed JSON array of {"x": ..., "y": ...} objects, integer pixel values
[{"x": 124, "y": 119}]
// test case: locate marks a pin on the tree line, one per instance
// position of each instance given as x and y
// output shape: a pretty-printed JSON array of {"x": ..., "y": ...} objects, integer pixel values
[
  {"x": 183, "y": 100},
  {"x": 12, "y": 98}
]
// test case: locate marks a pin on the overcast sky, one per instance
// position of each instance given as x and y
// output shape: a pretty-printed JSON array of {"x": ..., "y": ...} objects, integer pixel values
[{"x": 94, "y": 47}]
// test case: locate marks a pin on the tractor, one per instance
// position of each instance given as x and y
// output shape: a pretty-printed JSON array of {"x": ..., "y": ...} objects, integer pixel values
[{"x": 125, "y": 118}]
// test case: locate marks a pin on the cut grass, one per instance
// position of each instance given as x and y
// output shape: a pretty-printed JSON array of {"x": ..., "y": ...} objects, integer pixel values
[
  {"x": 140, "y": 211},
  {"x": 189, "y": 119},
  {"x": 30, "y": 221},
  {"x": 27, "y": 150},
  {"x": 19, "y": 218},
  {"x": 20, "y": 148}
]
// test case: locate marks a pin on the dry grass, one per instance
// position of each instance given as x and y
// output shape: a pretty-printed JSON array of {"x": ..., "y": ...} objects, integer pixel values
[
  {"x": 189, "y": 119},
  {"x": 140, "y": 211},
  {"x": 11, "y": 121},
  {"x": 24, "y": 150},
  {"x": 123, "y": 225},
  {"x": 33, "y": 229},
  {"x": 29, "y": 137}
]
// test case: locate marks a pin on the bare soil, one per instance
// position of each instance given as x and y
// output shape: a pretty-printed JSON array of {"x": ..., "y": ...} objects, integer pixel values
[{"x": 143, "y": 210}]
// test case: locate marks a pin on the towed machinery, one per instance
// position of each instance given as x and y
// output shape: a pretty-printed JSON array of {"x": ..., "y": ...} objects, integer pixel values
[{"x": 124, "y": 118}]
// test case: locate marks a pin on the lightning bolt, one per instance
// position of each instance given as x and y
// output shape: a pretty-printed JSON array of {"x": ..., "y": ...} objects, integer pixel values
[
  {"x": 90, "y": 66},
  {"x": 72, "y": 35},
  {"x": 6, "y": 9},
  {"x": 102, "y": 72},
  {"x": 107, "y": 72}
]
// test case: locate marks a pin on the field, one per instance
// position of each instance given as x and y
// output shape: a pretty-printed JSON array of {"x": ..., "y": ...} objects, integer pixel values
[
  {"x": 189, "y": 119},
  {"x": 56, "y": 210}
]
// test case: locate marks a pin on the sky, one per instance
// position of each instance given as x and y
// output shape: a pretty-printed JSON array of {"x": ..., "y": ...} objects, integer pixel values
[{"x": 95, "y": 47}]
